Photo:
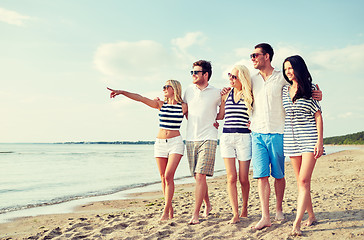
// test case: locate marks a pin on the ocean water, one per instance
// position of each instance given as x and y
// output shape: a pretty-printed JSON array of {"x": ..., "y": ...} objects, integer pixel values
[{"x": 38, "y": 175}]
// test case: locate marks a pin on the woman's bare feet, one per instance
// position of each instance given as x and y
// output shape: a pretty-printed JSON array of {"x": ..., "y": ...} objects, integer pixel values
[
  {"x": 262, "y": 224},
  {"x": 207, "y": 211},
  {"x": 194, "y": 220},
  {"x": 311, "y": 222},
  {"x": 244, "y": 213},
  {"x": 170, "y": 213},
  {"x": 279, "y": 216},
  {"x": 296, "y": 230},
  {"x": 164, "y": 217},
  {"x": 167, "y": 214},
  {"x": 234, "y": 220},
  {"x": 295, "y": 233}
]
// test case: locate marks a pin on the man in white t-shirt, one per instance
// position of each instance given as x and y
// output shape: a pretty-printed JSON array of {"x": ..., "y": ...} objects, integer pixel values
[{"x": 203, "y": 100}]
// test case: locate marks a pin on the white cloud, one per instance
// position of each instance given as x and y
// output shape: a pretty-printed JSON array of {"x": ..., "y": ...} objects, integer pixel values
[
  {"x": 146, "y": 61},
  {"x": 190, "y": 39},
  {"x": 346, "y": 59},
  {"x": 184, "y": 46},
  {"x": 346, "y": 115},
  {"x": 143, "y": 60},
  {"x": 281, "y": 53},
  {"x": 12, "y": 17}
]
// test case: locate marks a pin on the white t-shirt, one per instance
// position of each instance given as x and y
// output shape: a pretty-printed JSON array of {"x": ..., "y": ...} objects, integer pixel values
[
  {"x": 268, "y": 113},
  {"x": 202, "y": 111}
]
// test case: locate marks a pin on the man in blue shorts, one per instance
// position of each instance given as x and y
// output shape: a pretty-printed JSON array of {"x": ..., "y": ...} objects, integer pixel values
[{"x": 267, "y": 125}]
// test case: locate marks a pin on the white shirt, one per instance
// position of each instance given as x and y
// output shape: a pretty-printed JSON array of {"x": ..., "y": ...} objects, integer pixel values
[
  {"x": 202, "y": 111},
  {"x": 268, "y": 113}
]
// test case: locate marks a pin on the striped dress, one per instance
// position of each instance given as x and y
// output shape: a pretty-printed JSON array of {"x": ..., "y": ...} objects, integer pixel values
[
  {"x": 170, "y": 116},
  {"x": 300, "y": 131},
  {"x": 236, "y": 115}
]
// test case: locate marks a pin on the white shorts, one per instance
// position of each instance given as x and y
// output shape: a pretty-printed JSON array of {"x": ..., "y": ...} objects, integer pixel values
[
  {"x": 236, "y": 145},
  {"x": 164, "y": 147}
]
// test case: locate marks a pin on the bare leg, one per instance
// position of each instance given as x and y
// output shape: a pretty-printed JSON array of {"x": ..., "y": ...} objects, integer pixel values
[
  {"x": 311, "y": 215},
  {"x": 208, "y": 207},
  {"x": 307, "y": 163},
  {"x": 231, "y": 187},
  {"x": 201, "y": 194},
  {"x": 264, "y": 193},
  {"x": 168, "y": 183},
  {"x": 162, "y": 165},
  {"x": 279, "y": 186},
  {"x": 296, "y": 164},
  {"x": 245, "y": 185}
]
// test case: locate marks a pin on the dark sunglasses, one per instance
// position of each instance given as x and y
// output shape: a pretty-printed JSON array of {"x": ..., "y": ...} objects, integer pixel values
[
  {"x": 166, "y": 87},
  {"x": 254, "y": 55},
  {"x": 232, "y": 76},
  {"x": 196, "y": 72}
]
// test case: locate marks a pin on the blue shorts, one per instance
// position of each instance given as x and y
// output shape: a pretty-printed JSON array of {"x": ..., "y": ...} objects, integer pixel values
[{"x": 268, "y": 157}]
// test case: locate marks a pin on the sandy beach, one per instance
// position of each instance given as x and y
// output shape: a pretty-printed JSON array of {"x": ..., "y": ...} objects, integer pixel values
[{"x": 337, "y": 195}]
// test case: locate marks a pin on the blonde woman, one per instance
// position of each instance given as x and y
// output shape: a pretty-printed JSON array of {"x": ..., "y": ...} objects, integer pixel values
[
  {"x": 235, "y": 141},
  {"x": 168, "y": 147}
]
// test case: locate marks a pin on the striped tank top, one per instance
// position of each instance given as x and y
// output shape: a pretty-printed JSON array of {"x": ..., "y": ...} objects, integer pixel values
[
  {"x": 170, "y": 116},
  {"x": 236, "y": 115}
]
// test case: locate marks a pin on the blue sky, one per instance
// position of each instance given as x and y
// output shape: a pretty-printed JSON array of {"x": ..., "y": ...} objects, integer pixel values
[{"x": 57, "y": 58}]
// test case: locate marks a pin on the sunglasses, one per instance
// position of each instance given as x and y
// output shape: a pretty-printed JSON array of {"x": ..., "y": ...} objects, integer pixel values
[
  {"x": 232, "y": 76},
  {"x": 196, "y": 72},
  {"x": 166, "y": 87},
  {"x": 254, "y": 55}
]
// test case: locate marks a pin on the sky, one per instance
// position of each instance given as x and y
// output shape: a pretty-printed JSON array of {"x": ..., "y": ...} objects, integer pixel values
[{"x": 57, "y": 58}]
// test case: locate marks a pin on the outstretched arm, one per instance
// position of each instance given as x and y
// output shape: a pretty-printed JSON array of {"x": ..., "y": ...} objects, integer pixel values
[
  {"x": 136, "y": 97},
  {"x": 317, "y": 94},
  {"x": 319, "y": 147}
]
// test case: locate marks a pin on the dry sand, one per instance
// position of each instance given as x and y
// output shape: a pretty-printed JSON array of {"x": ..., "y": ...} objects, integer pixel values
[{"x": 337, "y": 195}]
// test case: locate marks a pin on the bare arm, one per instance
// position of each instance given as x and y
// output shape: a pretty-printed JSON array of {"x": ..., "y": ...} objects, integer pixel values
[
  {"x": 221, "y": 113},
  {"x": 319, "y": 147},
  {"x": 185, "y": 109},
  {"x": 136, "y": 97}
]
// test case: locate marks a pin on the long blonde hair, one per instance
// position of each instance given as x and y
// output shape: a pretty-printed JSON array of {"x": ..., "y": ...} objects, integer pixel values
[
  {"x": 246, "y": 86},
  {"x": 176, "y": 85}
]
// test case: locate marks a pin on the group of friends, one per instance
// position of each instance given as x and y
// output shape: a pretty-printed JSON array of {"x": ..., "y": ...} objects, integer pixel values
[{"x": 268, "y": 115}]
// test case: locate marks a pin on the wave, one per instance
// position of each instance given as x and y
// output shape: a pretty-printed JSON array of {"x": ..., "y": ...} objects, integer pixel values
[{"x": 74, "y": 197}]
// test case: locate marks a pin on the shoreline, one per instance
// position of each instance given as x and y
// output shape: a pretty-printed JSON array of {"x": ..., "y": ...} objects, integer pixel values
[
  {"x": 67, "y": 205},
  {"x": 337, "y": 195}
]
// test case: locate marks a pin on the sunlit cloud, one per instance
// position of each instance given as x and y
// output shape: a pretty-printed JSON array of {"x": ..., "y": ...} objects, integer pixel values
[
  {"x": 346, "y": 115},
  {"x": 346, "y": 59},
  {"x": 183, "y": 47},
  {"x": 13, "y": 18},
  {"x": 146, "y": 61},
  {"x": 190, "y": 39},
  {"x": 141, "y": 60}
]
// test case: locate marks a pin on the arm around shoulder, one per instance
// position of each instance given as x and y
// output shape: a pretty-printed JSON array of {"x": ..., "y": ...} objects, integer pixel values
[
  {"x": 185, "y": 109},
  {"x": 317, "y": 94},
  {"x": 221, "y": 113}
]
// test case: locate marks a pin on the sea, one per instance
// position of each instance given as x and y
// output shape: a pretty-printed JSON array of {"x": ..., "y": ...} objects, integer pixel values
[{"x": 52, "y": 178}]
